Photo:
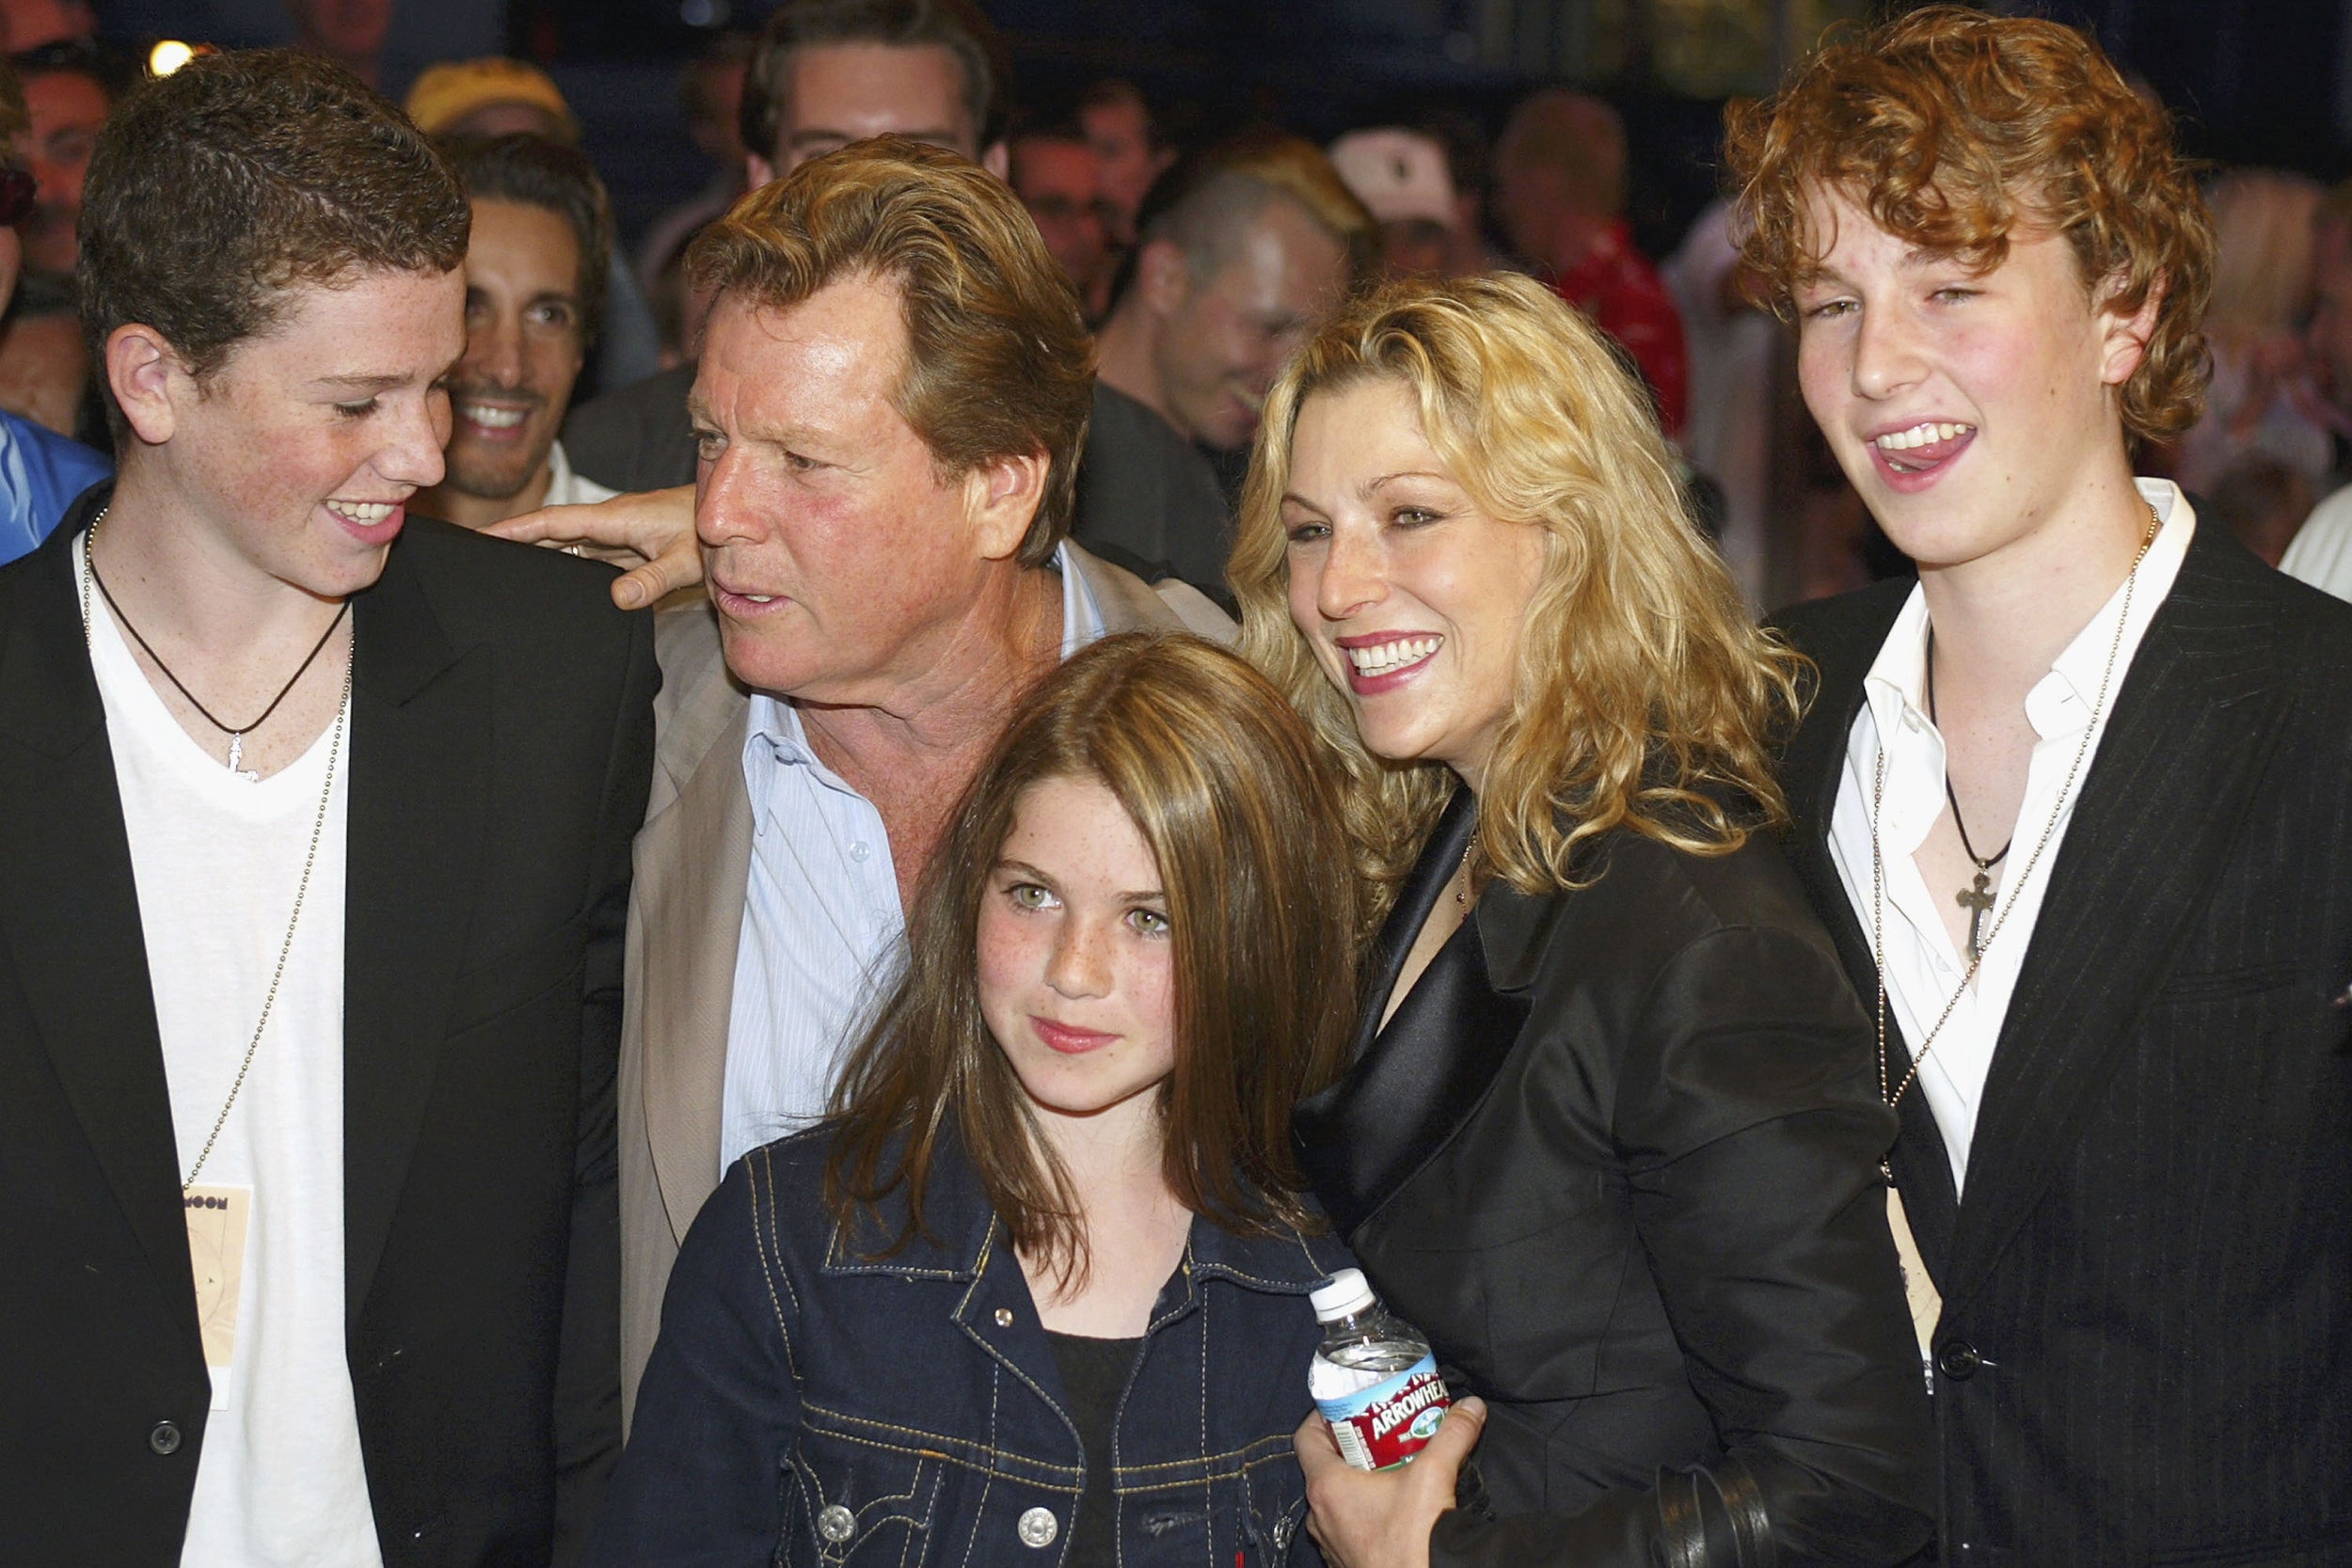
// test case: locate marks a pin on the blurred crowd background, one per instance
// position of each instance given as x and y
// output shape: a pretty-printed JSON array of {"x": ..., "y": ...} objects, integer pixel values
[{"x": 1577, "y": 139}]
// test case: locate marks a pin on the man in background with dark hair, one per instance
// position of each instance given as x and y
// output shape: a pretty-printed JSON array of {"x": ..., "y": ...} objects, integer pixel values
[
  {"x": 313, "y": 893},
  {"x": 1119, "y": 123},
  {"x": 1240, "y": 250},
  {"x": 534, "y": 302},
  {"x": 70, "y": 87},
  {"x": 1058, "y": 177},
  {"x": 824, "y": 73}
]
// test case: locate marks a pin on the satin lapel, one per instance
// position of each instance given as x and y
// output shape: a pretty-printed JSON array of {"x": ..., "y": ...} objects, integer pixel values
[
  {"x": 1417, "y": 1081},
  {"x": 694, "y": 862},
  {"x": 420, "y": 791},
  {"x": 1810, "y": 772},
  {"x": 2164, "y": 803},
  {"x": 70, "y": 917}
]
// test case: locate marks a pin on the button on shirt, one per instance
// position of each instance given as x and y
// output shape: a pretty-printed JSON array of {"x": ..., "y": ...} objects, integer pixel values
[
  {"x": 823, "y": 933},
  {"x": 1923, "y": 965}
]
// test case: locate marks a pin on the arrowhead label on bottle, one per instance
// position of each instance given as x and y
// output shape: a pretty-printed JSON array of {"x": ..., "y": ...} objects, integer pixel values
[{"x": 1388, "y": 1423}]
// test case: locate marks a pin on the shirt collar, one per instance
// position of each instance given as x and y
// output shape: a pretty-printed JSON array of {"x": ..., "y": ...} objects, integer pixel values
[
  {"x": 2062, "y": 700},
  {"x": 1081, "y": 613}
]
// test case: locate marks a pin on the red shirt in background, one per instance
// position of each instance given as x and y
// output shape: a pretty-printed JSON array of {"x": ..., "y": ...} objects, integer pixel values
[{"x": 1616, "y": 285}]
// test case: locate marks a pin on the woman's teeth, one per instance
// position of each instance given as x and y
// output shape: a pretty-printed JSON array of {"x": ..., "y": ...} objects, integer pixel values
[
  {"x": 1922, "y": 434},
  {"x": 1383, "y": 656},
  {"x": 365, "y": 514}
]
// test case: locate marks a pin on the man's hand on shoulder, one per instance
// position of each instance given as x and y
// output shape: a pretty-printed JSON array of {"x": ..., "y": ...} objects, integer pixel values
[{"x": 650, "y": 534}]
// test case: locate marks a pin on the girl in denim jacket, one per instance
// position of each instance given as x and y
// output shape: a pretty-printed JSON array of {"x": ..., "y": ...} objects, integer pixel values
[{"x": 1036, "y": 1293}]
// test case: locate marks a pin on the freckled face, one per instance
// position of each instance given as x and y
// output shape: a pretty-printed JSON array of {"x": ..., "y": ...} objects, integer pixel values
[
  {"x": 1971, "y": 410},
  {"x": 301, "y": 451},
  {"x": 1075, "y": 968},
  {"x": 1409, "y": 593}
]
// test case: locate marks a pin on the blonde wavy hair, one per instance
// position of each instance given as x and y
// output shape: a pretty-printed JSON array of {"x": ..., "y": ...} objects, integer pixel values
[{"x": 1644, "y": 697}]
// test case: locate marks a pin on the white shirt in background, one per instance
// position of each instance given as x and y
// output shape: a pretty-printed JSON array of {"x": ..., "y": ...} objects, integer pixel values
[
  {"x": 1923, "y": 967},
  {"x": 216, "y": 859},
  {"x": 2321, "y": 551},
  {"x": 568, "y": 487}
]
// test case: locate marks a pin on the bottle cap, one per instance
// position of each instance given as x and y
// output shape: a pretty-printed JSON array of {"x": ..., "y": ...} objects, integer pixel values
[{"x": 1344, "y": 1293}]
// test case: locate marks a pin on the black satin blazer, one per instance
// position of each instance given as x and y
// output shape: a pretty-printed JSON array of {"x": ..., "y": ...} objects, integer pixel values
[{"x": 1616, "y": 1155}]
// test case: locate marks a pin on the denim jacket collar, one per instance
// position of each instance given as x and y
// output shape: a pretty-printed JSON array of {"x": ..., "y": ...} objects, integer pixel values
[{"x": 960, "y": 1232}]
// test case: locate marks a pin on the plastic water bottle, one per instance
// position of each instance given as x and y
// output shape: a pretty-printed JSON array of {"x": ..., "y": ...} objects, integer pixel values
[{"x": 1373, "y": 1377}]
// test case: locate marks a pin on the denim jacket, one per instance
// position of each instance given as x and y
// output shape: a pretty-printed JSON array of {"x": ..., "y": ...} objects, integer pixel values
[{"x": 810, "y": 1403}]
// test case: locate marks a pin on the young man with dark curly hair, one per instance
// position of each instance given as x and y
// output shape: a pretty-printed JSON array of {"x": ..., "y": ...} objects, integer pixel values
[
  {"x": 2075, "y": 807},
  {"x": 313, "y": 879}
]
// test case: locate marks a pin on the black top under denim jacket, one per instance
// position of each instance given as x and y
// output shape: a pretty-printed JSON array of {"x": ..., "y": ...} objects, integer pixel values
[
  {"x": 809, "y": 1402},
  {"x": 1617, "y": 1154}
]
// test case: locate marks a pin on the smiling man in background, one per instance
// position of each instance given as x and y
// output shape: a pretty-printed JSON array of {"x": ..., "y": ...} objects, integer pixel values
[
  {"x": 531, "y": 314},
  {"x": 1241, "y": 249},
  {"x": 70, "y": 88}
]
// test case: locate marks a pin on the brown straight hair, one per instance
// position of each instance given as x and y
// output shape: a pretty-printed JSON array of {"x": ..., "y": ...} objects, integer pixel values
[{"x": 1227, "y": 788}]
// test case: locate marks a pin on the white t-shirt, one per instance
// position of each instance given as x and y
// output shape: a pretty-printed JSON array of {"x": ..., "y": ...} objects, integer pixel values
[{"x": 216, "y": 859}]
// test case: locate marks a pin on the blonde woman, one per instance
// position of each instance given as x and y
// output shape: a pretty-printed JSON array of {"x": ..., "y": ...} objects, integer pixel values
[{"x": 1611, "y": 1134}]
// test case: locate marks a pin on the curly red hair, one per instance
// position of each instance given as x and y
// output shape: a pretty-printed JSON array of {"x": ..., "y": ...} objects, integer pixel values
[{"x": 1956, "y": 131}]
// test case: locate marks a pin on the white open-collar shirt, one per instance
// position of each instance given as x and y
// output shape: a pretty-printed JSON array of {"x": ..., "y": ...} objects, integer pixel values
[{"x": 1923, "y": 967}]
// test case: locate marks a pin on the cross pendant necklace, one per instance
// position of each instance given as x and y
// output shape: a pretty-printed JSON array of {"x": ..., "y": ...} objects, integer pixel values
[{"x": 1977, "y": 897}]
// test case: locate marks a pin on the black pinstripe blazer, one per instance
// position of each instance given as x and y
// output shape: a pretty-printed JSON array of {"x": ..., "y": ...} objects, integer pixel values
[{"x": 2146, "y": 1349}]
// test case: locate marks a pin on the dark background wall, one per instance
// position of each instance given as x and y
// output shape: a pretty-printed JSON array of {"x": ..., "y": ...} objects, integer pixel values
[{"x": 2261, "y": 81}]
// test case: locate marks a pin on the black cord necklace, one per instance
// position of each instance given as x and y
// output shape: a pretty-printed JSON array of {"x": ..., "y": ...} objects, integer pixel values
[
  {"x": 1976, "y": 899},
  {"x": 236, "y": 732}
]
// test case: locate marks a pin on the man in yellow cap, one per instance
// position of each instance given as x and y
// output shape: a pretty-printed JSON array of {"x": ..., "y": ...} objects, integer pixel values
[
  {"x": 490, "y": 97},
  {"x": 494, "y": 95}
]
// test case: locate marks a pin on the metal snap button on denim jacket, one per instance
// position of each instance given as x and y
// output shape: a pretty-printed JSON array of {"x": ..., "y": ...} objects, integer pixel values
[{"x": 810, "y": 1403}]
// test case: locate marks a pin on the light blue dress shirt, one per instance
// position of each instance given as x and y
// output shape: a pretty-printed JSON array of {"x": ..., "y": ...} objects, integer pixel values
[{"x": 823, "y": 933}]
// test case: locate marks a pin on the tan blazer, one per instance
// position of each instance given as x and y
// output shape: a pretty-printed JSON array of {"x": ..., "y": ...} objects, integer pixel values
[{"x": 693, "y": 863}]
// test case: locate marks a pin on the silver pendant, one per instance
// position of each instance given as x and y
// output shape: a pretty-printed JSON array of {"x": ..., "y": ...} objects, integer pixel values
[
  {"x": 1976, "y": 899},
  {"x": 236, "y": 755}
]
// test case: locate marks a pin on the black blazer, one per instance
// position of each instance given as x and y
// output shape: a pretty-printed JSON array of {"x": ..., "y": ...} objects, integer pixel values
[
  {"x": 1617, "y": 1154},
  {"x": 500, "y": 743},
  {"x": 2146, "y": 1349}
]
